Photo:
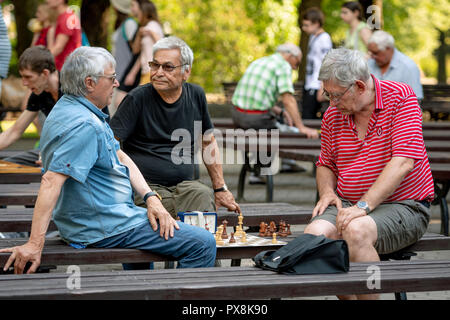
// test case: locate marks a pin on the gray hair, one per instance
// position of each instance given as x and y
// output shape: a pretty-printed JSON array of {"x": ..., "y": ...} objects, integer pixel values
[
  {"x": 82, "y": 63},
  {"x": 382, "y": 39},
  {"x": 289, "y": 48},
  {"x": 169, "y": 43},
  {"x": 344, "y": 66}
]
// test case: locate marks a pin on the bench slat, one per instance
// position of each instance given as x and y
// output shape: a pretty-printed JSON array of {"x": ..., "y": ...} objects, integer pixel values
[{"x": 228, "y": 283}]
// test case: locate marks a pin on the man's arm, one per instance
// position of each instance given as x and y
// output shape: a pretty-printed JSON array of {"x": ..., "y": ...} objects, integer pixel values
[
  {"x": 326, "y": 185},
  {"x": 290, "y": 104},
  {"x": 11, "y": 135},
  {"x": 385, "y": 185},
  {"x": 48, "y": 195},
  {"x": 155, "y": 209},
  {"x": 211, "y": 159}
]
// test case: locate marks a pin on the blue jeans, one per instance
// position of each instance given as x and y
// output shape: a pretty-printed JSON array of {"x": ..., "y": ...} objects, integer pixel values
[{"x": 192, "y": 247}]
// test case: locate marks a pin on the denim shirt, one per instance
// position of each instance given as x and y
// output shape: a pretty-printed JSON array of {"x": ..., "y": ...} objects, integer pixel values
[{"x": 96, "y": 202}]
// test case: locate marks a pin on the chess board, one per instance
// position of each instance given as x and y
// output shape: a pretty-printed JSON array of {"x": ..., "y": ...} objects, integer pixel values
[{"x": 251, "y": 241}]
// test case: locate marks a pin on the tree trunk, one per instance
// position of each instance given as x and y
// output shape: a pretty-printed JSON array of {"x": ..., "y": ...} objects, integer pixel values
[
  {"x": 441, "y": 55},
  {"x": 94, "y": 21},
  {"x": 24, "y": 10},
  {"x": 304, "y": 5}
]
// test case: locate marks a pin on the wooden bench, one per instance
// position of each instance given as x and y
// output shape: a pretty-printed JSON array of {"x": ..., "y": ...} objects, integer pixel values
[
  {"x": 227, "y": 123},
  {"x": 229, "y": 283},
  {"x": 19, "y": 219}
]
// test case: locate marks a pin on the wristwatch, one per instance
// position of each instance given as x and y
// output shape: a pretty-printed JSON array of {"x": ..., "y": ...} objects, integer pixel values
[
  {"x": 223, "y": 188},
  {"x": 150, "y": 194},
  {"x": 363, "y": 205}
]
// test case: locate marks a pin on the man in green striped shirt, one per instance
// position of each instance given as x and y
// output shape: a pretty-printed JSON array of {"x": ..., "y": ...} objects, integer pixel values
[{"x": 264, "y": 81}]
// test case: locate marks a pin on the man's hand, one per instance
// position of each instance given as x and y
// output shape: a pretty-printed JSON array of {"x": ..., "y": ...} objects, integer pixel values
[
  {"x": 325, "y": 201},
  {"x": 346, "y": 215},
  {"x": 310, "y": 133},
  {"x": 156, "y": 211},
  {"x": 21, "y": 255},
  {"x": 226, "y": 199}
]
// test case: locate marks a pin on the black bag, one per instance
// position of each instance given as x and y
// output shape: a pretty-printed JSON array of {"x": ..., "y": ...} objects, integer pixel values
[{"x": 306, "y": 254}]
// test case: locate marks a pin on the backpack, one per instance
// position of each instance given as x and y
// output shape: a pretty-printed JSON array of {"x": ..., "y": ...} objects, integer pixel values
[{"x": 306, "y": 254}]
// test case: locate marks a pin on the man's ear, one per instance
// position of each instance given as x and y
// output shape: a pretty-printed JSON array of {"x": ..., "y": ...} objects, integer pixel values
[
  {"x": 90, "y": 84},
  {"x": 46, "y": 72},
  {"x": 187, "y": 73},
  {"x": 361, "y": 86}
]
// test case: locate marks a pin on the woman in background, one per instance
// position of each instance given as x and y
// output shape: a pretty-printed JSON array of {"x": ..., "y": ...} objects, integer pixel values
[
  {"x": 149, "y": 33},
  {"x": 359, "y": 33}
]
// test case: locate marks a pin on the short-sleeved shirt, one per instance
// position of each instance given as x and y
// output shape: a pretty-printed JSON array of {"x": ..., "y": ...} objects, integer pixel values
[
  {"x": 401, "y": 69},
  {"x": 161, "y": 138},
  {"x": 263, "y": 82},
  {"x": 318, "y": 46},
  {"x": 96, "y": 201},
  {"x": 68, "y": 24},
  {"x": 395, "y": 130},
  {"x": 42, "y": 102}
]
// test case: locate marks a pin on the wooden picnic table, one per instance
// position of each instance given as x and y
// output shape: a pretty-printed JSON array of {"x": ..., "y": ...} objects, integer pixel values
[{"x": 18, "y": 173}]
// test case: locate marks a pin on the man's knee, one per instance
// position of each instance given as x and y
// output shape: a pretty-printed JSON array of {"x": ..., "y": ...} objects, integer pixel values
[
  {"x": 322, "y": 227},
  {"x": 360, "y": 232}
]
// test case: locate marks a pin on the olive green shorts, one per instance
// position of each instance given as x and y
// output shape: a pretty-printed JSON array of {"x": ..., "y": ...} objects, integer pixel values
[
  {"x": 185, "y": 196},
  {"x": 399, "y": 224}
]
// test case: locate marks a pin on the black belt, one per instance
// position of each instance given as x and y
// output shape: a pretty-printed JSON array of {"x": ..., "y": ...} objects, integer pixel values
[{"x": 425, "y": 203}]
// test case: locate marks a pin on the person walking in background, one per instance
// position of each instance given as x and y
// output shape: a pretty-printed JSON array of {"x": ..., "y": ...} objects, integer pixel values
[
  {"x": 43, "y": 26},
  {"x": 125, "y": 32},
  {"x": 149, "y": 33},
  {"x": 318, "y": 46},
  {"x": 67, "y": 32},
  {"x": 359, "y": 33}
]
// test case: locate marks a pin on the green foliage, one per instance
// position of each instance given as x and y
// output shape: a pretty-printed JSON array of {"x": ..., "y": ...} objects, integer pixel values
[{"x": 227, "y": 35}]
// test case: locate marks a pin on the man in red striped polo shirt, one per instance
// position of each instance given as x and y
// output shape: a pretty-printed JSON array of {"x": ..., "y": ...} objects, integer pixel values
[{"x": 373, "y": 175}]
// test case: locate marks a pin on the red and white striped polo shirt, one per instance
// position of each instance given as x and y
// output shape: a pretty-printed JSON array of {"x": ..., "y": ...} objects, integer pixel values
[{"x": 395, "y": 130}]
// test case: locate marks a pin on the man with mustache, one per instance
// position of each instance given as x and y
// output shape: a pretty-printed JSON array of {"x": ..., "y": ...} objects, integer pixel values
[{"x": 146, "y": 123}]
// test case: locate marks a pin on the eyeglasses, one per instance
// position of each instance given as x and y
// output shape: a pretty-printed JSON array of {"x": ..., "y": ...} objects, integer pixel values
[
  {"x": 111, "y": 77},
  {"x": 154, "y": 66},
  {"x": 336, "y": 97}
]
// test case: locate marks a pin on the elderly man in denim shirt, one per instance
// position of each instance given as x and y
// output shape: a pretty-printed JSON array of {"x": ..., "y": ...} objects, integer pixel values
[{"x": 88, "y": 182}]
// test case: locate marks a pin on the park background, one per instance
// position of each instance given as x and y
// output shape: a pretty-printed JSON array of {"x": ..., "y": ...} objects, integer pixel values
[{"x": 227, "y": 35}]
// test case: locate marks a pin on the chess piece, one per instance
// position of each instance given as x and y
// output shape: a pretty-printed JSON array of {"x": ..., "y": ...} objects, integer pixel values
[
  {"x": 282, "y": 229},
  {"x": 219, "y": 232},
  {"x": 244, "y": 237},
  {"x": 262, "y": 229},
  {"x": 224, "y": 234},
  {"x": 232, "y": 239},
  {"x": 288, "y": 231},
  {"x": 274, "y": 238},
  {"x": 206, "y": 227}
]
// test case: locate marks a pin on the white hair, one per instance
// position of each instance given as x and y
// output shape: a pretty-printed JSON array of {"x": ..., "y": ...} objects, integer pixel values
[
  {"x": 382, "y": 39},
  {"x": 344, "y": 66},
  {"x": 169, "y": 43},
  {"x": 289, "y": 48},
  {"x": 84, "y": 62}
]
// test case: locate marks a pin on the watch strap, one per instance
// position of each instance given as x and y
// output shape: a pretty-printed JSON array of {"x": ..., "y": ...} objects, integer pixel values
[
  {"x": 150, "y": 194},
  {"x": 223, "y": 188}
]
